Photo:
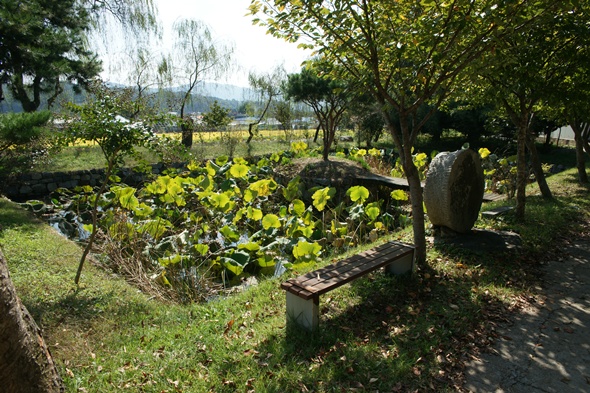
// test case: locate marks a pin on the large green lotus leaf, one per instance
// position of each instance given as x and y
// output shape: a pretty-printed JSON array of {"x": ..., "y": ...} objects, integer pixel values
[
  {"x": 254, "y": 214},
  {"x": 219, "y": 201},
  {"x": 297, "y": 207},
  {"x": 399, "y": 195},
  {"x": 232, "y": 265},
  {"x": 266, "y": 261},
  {"x": 172, "y": 260},
  {"x": 221, "y": 160},
  {"x": 250, "y": 246},
  {"x": 372, "y": 211},
  {"x": 239, "y": 170},
  {"x": 271, "y": 221},
  {"x": 236, "y": 262},
  {"x": 249, "y": 195},
  {"x": 229, "y": 234},
  {"x": 322, "y": 196},
  {"x": 155, "y": 228},
  {"x": 211, "y": 168},
  {"x": 263, "y": 187},
  {"x": 143, "y": 210},
  {"x": 305, "y": 251},
  {"x": 207, "y": 183},
  {"x": 358, "y": 194}
]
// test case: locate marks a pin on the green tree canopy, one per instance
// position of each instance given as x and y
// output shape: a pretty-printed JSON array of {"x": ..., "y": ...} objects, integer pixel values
[
  {"x": 41, "y": 46},
  {"x": 217, "y": 118},
  {"x": 406, "y": 53},
  {"x": 326, "y": 96}
]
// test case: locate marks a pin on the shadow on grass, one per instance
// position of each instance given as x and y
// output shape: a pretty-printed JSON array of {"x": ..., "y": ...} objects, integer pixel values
[
  {"x": 12, "y": 216},
  {"x": 82, "y": 308},
  {"x": 400, "y": 334}
]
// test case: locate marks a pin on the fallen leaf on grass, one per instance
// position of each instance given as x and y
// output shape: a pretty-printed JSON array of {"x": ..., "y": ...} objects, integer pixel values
[{"x": 229, "y": 326}]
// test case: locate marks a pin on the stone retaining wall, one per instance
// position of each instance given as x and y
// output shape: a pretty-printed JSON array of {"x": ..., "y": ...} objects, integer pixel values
[{"x": 40, "y": 184}]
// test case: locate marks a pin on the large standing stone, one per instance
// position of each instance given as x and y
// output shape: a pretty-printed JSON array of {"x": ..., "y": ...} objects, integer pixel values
[{"x": 453, "y": 191}]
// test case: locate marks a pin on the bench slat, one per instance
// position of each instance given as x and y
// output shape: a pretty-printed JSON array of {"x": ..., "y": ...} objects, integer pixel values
[{"x": 332, "y": 276}]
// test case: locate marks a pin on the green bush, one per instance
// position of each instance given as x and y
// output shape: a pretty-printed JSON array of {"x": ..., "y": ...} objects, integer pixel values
[{"x": 24, "y": 141}]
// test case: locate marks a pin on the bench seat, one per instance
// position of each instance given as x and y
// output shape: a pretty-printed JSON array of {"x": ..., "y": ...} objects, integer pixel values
[{"x": 304, "y": 291}]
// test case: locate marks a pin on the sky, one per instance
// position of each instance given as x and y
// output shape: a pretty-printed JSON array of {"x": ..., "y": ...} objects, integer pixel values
[{"x": 254, "y": 49}]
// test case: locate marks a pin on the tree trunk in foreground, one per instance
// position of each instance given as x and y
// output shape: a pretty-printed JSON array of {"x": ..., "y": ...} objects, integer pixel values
[
  {"x": 580, "y": 157},
  {"x": 26, "y": 366},
  {"x": 538, "y": 169}
]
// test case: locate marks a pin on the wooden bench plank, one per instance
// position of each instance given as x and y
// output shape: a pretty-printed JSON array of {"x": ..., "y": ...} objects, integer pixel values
[
  {"x": 351, "y": 266},
  {"x": 318, "y": 282}
]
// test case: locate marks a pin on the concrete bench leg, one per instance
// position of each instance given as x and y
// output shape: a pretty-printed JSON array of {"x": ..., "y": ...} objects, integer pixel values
[
  {"x": 305, "y": 312},
  {"x": 402, "y": 265}
]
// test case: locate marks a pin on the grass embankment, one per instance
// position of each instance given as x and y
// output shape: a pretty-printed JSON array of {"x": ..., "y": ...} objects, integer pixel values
[
  {"x": 207, "y": 146},
  {"x": 380, "y": 333}
]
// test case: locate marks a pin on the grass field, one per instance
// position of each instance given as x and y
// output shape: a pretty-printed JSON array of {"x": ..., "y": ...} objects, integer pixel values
[{"x": 380, "y": 333}]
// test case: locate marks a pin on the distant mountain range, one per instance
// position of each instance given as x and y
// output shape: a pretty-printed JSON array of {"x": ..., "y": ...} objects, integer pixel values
[
  {"x": 205, "y": 93},
  {"x": 224, "y": 91}
]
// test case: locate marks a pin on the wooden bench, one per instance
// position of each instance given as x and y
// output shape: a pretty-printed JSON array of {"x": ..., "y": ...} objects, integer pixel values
[{"x": 303, "y": 292}]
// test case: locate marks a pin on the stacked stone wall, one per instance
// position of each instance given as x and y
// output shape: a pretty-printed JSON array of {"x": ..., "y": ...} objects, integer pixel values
[{"x": 40, "y": 184}]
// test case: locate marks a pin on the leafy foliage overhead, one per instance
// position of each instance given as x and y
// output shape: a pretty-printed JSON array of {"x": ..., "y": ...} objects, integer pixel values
[{"x": 43, "y": 44}]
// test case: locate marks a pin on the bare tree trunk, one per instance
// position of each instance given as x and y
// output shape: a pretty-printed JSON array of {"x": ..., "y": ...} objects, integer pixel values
[
  {"x": 317, "y": 133},
  {"x": 404, "y": 146},
  {"x": 580, "y": 157},
  {"x": 538, "y": 169},
  {"x": 521, "y": 171},
  {"x": 585, "y": 137},
  {"x": 26, "y": 366},
  {"x": 417, "y": 201}
]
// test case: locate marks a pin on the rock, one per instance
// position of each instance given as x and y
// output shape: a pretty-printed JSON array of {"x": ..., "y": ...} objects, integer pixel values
[{"x": 453, "y": 191}]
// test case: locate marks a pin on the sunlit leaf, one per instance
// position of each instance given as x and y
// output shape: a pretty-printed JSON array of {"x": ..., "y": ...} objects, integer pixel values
[
  {"x": 250, "y": 246},
  {"x": 239, "y": 170},
  {"x": 254, "y": 214},
  {"x": 263, "y": 187},
  {"x": 399, "y": 195},
  {"x": 229, "y": 234},
  {"x": 372, "y": 211},
  {"x": 322, "y": 196},
  {"x": 297, "y": 207},
  {"x": 484, "y": 153},
  {"x": 201, "y": 248},
  {"x": 271, "y": 221},
  {"x": 155, "y": 228},
  {"x": 306, "y": 252},
  {"x": 143, "y": 210},
  {"x": 358, "y": 194},
  {"x": 266, "y": 261}
]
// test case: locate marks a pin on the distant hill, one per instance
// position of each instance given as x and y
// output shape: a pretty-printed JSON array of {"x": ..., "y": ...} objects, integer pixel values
[
  {"x": 205, "y": 93},
  {"x": 224, "y": 91}
]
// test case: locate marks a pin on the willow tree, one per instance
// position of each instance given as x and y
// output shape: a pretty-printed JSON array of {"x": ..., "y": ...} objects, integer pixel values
[
  {"x": 196, "y": 56},
  {"x": 406, "y": 53}
]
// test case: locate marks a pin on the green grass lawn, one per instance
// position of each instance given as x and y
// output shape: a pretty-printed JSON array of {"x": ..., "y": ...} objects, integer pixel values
[{"x": 380, "y": 333}]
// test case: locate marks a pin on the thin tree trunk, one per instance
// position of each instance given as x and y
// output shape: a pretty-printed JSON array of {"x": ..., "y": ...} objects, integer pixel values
[
  {"x": 317, "y": 133},
  {"x": 250, "y": 132},
  {"x": 26, "y": 365},
  {"x": 404, "y": 146},
  {"x": 418, "y": 220},
  {"x": 521, "y": 171},
  {"x": 538, "y": 169},
  {"x": 580, "y": 157}
]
